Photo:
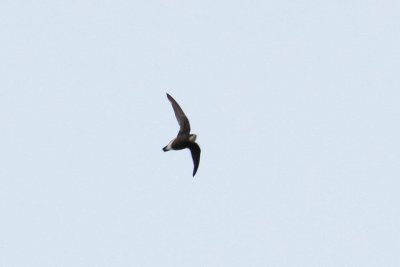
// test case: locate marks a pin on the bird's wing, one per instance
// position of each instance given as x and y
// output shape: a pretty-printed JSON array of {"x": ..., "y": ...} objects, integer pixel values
[
  {"x": 195, "y": 150},
  {"x": 180, "y": 116}
]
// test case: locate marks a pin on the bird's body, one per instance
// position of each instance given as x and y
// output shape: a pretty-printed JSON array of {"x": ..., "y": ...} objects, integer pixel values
[
  {"x": 180, "y": 142},
  {"x": 184, "y": 138}
]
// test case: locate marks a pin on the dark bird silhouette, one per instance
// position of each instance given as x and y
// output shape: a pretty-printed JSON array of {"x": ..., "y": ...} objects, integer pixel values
[{"x": 184, "y": 139}]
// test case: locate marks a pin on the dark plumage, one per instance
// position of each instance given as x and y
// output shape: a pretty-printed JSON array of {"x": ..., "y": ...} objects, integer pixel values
[{"x": 184, "y": 138}]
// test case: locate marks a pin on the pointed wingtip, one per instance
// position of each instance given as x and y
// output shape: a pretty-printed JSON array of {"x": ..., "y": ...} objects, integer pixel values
[
  {"x": 169, "y": 97},
  {"x": 195, "y": 171},
  {"x": 195, "y": 151}
]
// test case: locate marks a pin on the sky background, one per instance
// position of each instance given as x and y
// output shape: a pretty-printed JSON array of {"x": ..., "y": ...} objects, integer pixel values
[{"x": 296, "y": 108}]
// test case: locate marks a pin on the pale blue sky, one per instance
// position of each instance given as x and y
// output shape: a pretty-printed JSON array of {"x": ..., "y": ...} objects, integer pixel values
[{"x": 296, "y": 107}]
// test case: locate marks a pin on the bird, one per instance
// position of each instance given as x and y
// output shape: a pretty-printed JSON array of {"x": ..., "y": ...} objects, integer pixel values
[{"x": 184, "y": 139}]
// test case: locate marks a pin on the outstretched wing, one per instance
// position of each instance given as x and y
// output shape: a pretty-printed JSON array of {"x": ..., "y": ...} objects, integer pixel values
[
  {"x": 180, "y": 116},
  {"x": 195, "y": 150}
]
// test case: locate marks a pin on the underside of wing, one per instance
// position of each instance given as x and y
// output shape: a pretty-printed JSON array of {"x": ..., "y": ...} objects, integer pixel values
[
  {"x": 180, "y": 116},
  {"x": 195, "y": 151}
]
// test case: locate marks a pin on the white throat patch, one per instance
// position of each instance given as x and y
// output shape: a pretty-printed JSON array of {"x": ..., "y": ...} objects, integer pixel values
[{"x": 169, "y": 146}]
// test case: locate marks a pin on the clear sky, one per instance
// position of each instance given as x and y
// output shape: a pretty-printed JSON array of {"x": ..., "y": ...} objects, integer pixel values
[{"x": 296, "y": 108}]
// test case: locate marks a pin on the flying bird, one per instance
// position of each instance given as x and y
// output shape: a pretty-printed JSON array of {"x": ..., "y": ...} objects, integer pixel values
[{"x": 184, "y": 139}]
